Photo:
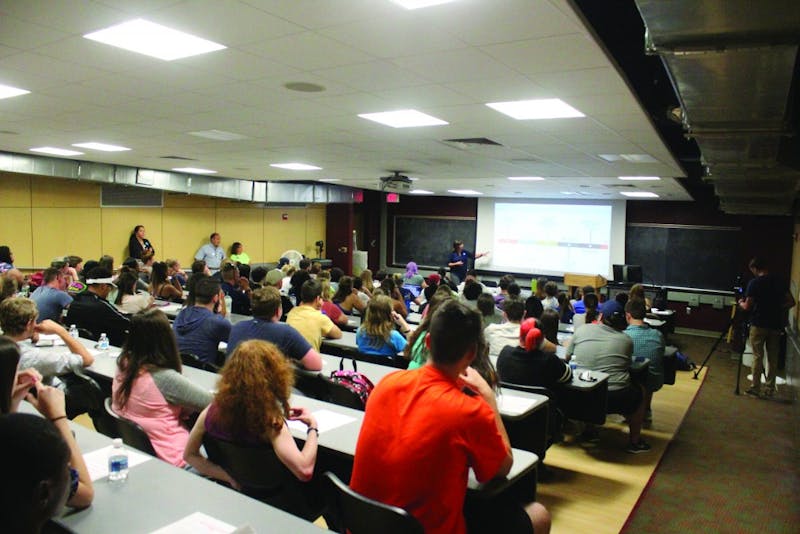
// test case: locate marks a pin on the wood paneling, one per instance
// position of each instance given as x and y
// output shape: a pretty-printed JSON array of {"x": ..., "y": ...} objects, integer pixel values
[
  {"x": 118, "y": 223},
  {"x": 59, "y": 193},
  {"x": 16, "y": 232},
  {"x": 184, "y": 230},
  {"x": 62, "y": 231},
  {"x": 245, "y": 225},
  {"x": 16, "y": 190}
]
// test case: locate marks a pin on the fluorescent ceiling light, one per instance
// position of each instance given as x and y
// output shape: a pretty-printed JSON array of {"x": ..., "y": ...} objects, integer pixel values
[
  {"x": 464, "y": 192},
  {"x": 55, "y": 151},
  {"x": 416, "y": 4},
  {"x": 413, "y": 178},
  {"x": 6, "y": 91},
  {"x": 630, "y": 158},
  {"x": 329, "y": 180},
  {"x": 639, "y": 194},
  {"x": 638, "y": 178},
  {"x": 526, "y": 178},
  {"x": 296, "y": 166},
  {"x": 420, "y": 192},
  {"x": 546, "y": 108},
  {"x": 568, "y": 193},
  {"x": 403, "y": 118},
  {"x": 218, "y": 135},
  {"x": 194, "y": 170},
  {"x": 101, "y": 146},
  {"x": 155, "y": 40}
]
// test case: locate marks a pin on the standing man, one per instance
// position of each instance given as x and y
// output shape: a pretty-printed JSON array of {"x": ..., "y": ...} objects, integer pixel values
[
  {"x": 422, "y": 433},
  {"x": 212, "y": 253},
  {"x": 459, "y": 261},
  {"x": 768, "y": 300}
]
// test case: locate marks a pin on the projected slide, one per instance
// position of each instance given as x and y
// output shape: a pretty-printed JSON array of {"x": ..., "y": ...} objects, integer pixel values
[{"x": 551, "y": 237}]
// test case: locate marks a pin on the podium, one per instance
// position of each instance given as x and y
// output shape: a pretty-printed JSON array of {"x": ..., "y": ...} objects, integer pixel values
[{"x": 572, "y": 280}]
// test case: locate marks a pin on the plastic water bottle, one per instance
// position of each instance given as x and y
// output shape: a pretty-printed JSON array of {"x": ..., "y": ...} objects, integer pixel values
[
  {"x": 73, "y": 331},
  {"x": 102, "y": 343},
  {"x": 228, "y": 304},
  {"x": 117, "y": 463},
  {"x": 26, "y": 290}
]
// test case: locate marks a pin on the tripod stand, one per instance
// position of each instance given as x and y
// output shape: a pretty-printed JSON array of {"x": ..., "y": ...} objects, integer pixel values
[{"x": 743, "y": 328}]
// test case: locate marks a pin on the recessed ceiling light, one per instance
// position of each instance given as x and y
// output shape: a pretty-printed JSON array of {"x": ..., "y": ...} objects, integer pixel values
[
  {"x": 101, "y": 146},
  {"x": 296, "y": 166},
  {"x": 546, "y": 108},
  {"x": 329, "y": 180},
  {"x": 526, "y": 178},
  {"x": 464, "y": 192},
  {"x": 413, "y": 178},
  {"x": 218, "y": 135},
  {"x": 638, "y": 178},
  {"x": 403, "y": 118},
  {"x": 630, "y": 158},
  {"x": 155, "y": 40},
  {"x": 417, "y": 4},
  {"x": 569, "y": 193},
  {"x": 6, "y": 91},
  {"x": 55, "y": 151},
  {"x": 194, "y": 170},
  {"x": 420, "y": 192},
  {"x": 639, "y": 194}
]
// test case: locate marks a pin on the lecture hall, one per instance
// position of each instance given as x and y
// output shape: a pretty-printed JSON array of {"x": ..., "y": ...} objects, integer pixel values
[{"x": 399, "y": 266}]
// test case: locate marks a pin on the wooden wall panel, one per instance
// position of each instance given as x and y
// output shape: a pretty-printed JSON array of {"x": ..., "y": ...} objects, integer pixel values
[
  {"x": 118, "y": 223},
  {"x": 60, "y": 193},
  {"x": 62, "y": 231},
  {"x": 16, "y": 190},
  {"x": 315, "y": 230},
  {"x": 177, "y": 200},
  {"x": 243, "y": 224},
  {"x": 282, "y": 235},
  {"x": 184, "y": 230},
  {"x": 15, "y": 232}
]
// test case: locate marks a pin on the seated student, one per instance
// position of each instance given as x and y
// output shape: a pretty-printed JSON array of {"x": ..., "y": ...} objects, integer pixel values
[
  {"x": 176, "y": 273},
  {"x": 648, "y": 343},
  {"x": 389, "y": 287},
  {"x": 539, "y": 293},
  {"x": 258, "y": 371},
  {"x": 50, "y": 299},
  {"x": 377, "y": 334},
  {"x": 471, "y": 277},
  {"x": 579, "y": 305},
  {"x": 288, "y": 271},
  {"x": 444, "y": 278},
  {"x": 565, "y": 311},
  {"x": 336, "y": 275},
  {"x": 548, "y": 324},
  {"x": 346, "y": 297},
  {"x": 274, "y": 278},
  {"x": 6, "y": 259},
  {"x": 471, "y": 291},
  {"x": 161, "y": 285},
  {"x": 507, "y": 333},
  {"x": 380, "y": 276},
  {"x": 489, "y": 312},
  {"x": 199, "y": 267},
  {"x": 149, "y": 388},
  {"x": 128, "y": 299},
  {"x": 307, "y": 317},
  {"x": 604, "y": 347},
  {"x": 257, "y": 276},
  {"x": 315, "y": 269},
  {"x": 440, "y": 430},
  {"x": 637, "y": 292},
  {"x": 91, "y": 310},
  {"x": 201, "y": 326},
  {"x": 238, "y": 255},
  {"x": 551, "y": 296},
  {"x": 299, "y": 278},
  {"x": 237, "y": 288},
  {"x": 328, "y": 307},
  {"x": 18, "y": 321},
  {"x": 412, "y": 276},
  {"x": 533, "y": 307},
  {"x": 503, "y": 283},
  {"x": 266, "y": 325},
  {"x": 528, "y": 364},
  {"x": 132, "y": 266},
  {"x": 367, "y": 284},
  {"x": 363, "y": 296}
]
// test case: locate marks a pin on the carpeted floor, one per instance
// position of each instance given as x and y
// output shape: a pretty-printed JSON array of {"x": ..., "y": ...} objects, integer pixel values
[{"x": 733, "y": 466}]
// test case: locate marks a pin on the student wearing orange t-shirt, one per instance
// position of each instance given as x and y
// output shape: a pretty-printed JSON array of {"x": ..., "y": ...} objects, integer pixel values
[{"x": 422, "y": 432}]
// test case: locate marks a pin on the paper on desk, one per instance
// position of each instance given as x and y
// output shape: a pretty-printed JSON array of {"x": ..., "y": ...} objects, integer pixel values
[
  {"x": 97, "y": 461},
  {"x": 49, "y": 340},
  {"x": 513, "y": 405},
  {"x": 196, "y": 523},
  {"x": 326, "y": 420}
]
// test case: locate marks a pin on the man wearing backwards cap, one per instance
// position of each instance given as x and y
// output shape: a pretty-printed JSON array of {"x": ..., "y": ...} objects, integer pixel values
[
  {"x": 604, "y": 347},
  {"x": 91, "y": 310}
]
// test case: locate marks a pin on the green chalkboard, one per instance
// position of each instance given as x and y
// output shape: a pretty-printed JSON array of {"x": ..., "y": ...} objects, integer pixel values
[
  {"x": 428, "y": 241},
  {"x": 698, "y": 257}
]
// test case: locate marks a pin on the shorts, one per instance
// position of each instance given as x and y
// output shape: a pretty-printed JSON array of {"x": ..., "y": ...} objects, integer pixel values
[{"x": 624, "y": 401}]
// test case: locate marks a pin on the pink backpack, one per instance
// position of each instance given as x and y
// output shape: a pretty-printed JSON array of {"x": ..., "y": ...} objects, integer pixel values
[{"x": 356, "y": 382}]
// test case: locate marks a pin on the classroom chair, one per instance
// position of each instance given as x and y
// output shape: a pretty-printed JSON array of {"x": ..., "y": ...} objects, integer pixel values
[{"x": 131, "y": 433}]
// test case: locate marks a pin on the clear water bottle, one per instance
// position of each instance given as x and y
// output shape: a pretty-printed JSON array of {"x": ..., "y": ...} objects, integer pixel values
[
  {"x": 103, "y": 343},
  {"x": 228, "y": 304},
  {"x": 117, "y": 463},
  {"x": 73, "y": 331},
  {"x": 26, "y": 290}
]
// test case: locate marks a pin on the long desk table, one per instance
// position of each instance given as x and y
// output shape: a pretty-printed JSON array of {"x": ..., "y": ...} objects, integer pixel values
[{"x": 158, "y": 494}]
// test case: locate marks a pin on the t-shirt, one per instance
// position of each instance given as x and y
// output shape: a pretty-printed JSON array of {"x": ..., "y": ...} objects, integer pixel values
[
  {"x": 601, "y": 348},
  {"x": 768, "y": 293},
  {"x": 288, "y": 340},
  {"x": 460, "y": 270},
  {"x": 50, "y": 302},
  {"x": 331, "y": 310},
  {"x": 212, "y": 255},
  {"x": 535, "y": 368},
  {"x": 414, "y": 280},
  {"x": 648, "y": 343},
  {"x": 311, "y": 324},
  {"x": 419, "y": 352},
  {"x": 134, "y": 303},
  {"x": 199, "y": 331},
  {"x": 242, "y": 258},
  {"x": 370, "y": 345},
  {"x": 97, "y": 315},
  {"x": 240, "y": 301},
  {"x": 420, "y": 436},
  {"x": 49, "y": 362},
  {"x": 501, "y": 335}
]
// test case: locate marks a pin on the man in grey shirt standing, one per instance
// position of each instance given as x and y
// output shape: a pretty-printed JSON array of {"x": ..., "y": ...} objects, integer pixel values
[
  {"x": 212, "y": 253},
  {"x": 604, "y": 347}
]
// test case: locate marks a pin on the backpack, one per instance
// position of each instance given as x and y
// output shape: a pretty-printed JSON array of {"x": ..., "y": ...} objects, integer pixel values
[
  {"x": 356, "y": 382},
  {"x": 683, "y": 363}
]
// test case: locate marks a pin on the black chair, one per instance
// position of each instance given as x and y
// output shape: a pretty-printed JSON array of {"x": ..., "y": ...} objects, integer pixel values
[
  {"x": 192, "y": 360},
  {"x": 81, "y": 395},
  {"x": 87, "y": 334},
  {"x": 360, "y": 515},
  {"x": 555, "y": 417},
  {"x": 311, "y": 384},
  {"x": 261, "y": 475},
  {"x": 396, "y": 361},
  {"x": 131, "y": 433}
]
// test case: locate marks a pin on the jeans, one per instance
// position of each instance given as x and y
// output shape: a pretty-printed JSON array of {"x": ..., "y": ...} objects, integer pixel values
[{"x": 761, "y": 338}]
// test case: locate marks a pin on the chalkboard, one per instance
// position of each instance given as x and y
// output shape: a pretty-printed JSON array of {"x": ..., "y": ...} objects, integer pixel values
[
  {"x": 684, "y": 256},
  {"x": 428, "y": 241}
]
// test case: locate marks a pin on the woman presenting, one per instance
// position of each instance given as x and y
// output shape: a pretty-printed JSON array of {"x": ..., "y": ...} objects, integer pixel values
[
  {"x": 459, "y": 260},
  {"x": 138, "y": 245}
]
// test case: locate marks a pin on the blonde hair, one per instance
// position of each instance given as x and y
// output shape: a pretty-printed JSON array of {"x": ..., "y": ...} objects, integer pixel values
[
  {"x": 366, "y": 278},
  {"x": 378, "y": 324},
  {"x": 327, "y": 291},
  {"x": 15, "y": 314}
]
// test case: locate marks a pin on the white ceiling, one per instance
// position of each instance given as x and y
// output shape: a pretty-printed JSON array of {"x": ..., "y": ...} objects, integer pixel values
[{"x": 370, "y": 55}]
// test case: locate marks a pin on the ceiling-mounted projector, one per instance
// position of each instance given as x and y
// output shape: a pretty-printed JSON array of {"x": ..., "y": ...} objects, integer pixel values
[{"x": 395, "y": 181}]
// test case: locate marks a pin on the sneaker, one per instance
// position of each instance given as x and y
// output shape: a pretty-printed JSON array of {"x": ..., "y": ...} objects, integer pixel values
[
  {"x": 753, "y": 392},
  {"x": 641, "y": 446}
]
